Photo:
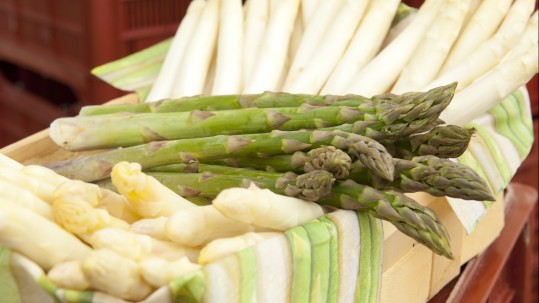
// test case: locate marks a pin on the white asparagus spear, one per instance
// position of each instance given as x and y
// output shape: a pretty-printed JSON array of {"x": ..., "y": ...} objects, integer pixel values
[
  {"x": 256, "y": 19},
  {"x": 273, "y": 50},
  {"x": 137, "y": 246},
  {"x": 74, "y": 208},
  {"x": 517, "y": 26},
  {"x": 42, "y": 190},
  {"x": 69, "y": 275},
  {"x": 313, "y": 37},
  {"x": 199, "y": 225},
  {"x": 264, "y": 208},
  {"x": 312, "y": 77},
  {"x": 364, "y": 46},
  {"x": 19, "y": 195},
  {"x": 380, "y": 74},
  {"x": 153, "y": 227},
  {"x": 529, "y": 37},
  {"x": 192, "y": 75},
  {"x": 493, "y": 87},
  {"x": 228, "y": 68},
  {"x": 430, "y": 54},
  {"x": 162, "y": 86},
  {"x": 113, "y": 202},
  {"x": 295, "y": 41},
  {"x": 473, "y": 8},
  {"x": 148, "y": 197},
  {"x": 113, "y": 274},
  {"x": 482, "y": 25},
  {"x": 37, "y": 238},
  {"x": 308, "y": 8}
]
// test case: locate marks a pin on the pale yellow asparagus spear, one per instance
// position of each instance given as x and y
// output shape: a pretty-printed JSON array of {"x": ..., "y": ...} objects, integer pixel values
[
  {"x": 74, "y": 208},
  {"x": 148, "y": 197},
  {"x": 264, "y": 208},
  {"x": 69, "y": 275},
  {"x": 200, "y": 225},
  {"x": 114, "y": 203},
  {"x": 19, "y": 195},
  {"x": 113, "y": 274},
  {"x": 153, "y": 227},
  {"x": 228, "y": 77},
  {"x": 137, "y": 246},
  {"x": 37, "y": 238}
]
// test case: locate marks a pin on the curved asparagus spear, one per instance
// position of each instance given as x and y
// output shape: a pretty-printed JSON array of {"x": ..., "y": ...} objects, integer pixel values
[
  {"x": 443, "y": 141},
  {"x": 263, "y": 100},
  {"x": 407, "y": 215},
  {"x": 378, "y": 120},
  {"x": 98, "y": 166}
]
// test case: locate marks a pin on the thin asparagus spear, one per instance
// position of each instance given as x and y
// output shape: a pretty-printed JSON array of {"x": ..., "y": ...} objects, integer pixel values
[
  {"x": 98, "y": 166},
  {"x": 407, "y": 215},
  {"x": 263, "y": 100}
]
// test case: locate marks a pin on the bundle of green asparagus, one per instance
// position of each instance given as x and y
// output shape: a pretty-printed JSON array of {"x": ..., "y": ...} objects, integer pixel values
[{"x": 347, "y": 152}]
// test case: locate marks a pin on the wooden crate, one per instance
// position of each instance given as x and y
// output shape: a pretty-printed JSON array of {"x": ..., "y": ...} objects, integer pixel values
[{"x": 411, "y": 272}]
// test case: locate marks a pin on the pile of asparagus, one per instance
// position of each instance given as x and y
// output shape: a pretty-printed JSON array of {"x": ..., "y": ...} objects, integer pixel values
[{"x": 348, "y": 152}]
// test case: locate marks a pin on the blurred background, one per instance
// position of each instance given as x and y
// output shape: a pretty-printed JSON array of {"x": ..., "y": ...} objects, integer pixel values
[{"x": 48, "y": 47}]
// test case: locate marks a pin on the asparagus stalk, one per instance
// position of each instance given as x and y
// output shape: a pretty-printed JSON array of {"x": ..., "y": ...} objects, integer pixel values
[
  {"x": 375, "y": 119},
  {"x": 263, "y": 100},
  {"x": 98, "y": 166},
  {"x": 442, "y": 141},
  {"x": 95, "y": 131},
  {"x": 407, "y": 215},
  {"x": 438, "y": 177}
]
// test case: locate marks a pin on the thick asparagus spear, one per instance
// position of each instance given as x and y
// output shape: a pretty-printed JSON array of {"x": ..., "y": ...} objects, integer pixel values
[
  {"x": 98, "y": 166},
  {"x": 378, "y": 120},
  {"x": 443, "y": 141},
  {"x": 407, "y": 215},
  {"x": 264, "y": 100}
]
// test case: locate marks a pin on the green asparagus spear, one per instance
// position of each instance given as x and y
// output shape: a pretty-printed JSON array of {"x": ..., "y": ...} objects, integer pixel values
[
  {"x": 443, "y": 141},
  {"x": 407, "y": 215},
  {"x": 264, "y": 100},
  {"x": 98, "y": 166},
  {"x": 379, "y": 120},
  {"x": 436, "y": 176}
]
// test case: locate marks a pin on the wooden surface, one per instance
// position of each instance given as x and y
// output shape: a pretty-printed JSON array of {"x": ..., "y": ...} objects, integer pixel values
[
  {"x": 503, "y": 272},
  {"x": 411, "y": 272}
]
